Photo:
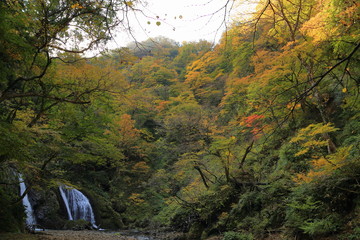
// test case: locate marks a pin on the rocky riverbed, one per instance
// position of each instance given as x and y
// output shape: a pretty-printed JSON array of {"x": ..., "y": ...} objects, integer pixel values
[{"x": 92, "y": 235}]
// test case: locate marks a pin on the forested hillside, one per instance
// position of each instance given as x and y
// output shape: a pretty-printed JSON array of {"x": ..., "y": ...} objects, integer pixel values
[{"x": 255, "y": 137}]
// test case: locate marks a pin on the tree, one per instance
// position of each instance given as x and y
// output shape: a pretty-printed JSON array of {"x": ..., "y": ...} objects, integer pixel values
[{"x": 37, "y": 33}]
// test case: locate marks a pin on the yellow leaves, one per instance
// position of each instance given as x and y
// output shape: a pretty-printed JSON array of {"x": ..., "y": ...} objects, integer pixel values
[
  {"x": 76, "y": 6},
  {"x": 344, "y": 90},
  {"x": 200, "y": 65},
  {"x": 315, "y": 143},
  {"x": 311, "y": 137},
  {"x": 194, "y": 190},
  {"x": 180, "y": 175},
  {"x": 321, "y": 129},
  {"x": 332, "y": 20},
  {"x": 225, "y": 187},
  {"x": 136, "y": 199},
  {"x": 339, "y": 158},
  {"x": 312, "y": 141},
  {"x": 263, "y": 59},
  {"x": 23, "y": 117},
  {"x": 302, "y": 152},
  {"x": 129, "y": 3},
  {"x": 322, "y": 166},
  {"x": 316, "y": 27},
  {"x": 313, "y": 130},
  {"x": 289, "y": 46}
]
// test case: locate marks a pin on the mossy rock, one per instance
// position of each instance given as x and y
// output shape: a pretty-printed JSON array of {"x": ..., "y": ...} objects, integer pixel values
[
  {"x": 105, "y": 216},
  {"x": 47, "y": 208},
  {"x": 77, "y": 225},
  {"x": 12, "y": 216},
  {"x": 195, "y": 231}
]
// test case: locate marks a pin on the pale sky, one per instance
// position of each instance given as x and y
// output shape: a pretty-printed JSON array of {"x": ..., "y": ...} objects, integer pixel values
[{"x": 182, "y": 20}]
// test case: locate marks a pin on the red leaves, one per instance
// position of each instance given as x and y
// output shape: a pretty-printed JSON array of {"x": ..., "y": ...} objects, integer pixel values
[{"x": 254, "y": 122}]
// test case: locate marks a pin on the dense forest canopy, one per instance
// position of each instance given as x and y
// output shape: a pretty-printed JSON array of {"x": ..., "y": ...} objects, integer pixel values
[{"x": 255, "y": 137}]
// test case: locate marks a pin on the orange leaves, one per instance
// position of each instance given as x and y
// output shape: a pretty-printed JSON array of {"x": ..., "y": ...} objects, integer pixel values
[
  {"x": 76, "y": 6},
  {"x": 197, "y": 72},
  {"x": 263, "y": 60},
  {"x": 253, "y": 122},
  {"x": 292, "y": 106},
  {"x": 244, "y": 80},
  {"x": 124, "y": 133},
  {"x": 162, "y": 105},
  {"x": 192, "y": 77},
  {"x": 141, "y": 167},
  {"x": 351, "y": 14},
  {"x": 126, "y": 127}
]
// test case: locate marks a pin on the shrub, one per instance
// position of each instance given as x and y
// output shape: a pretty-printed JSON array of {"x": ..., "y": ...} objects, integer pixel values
[{"x": 318, "y": 227}]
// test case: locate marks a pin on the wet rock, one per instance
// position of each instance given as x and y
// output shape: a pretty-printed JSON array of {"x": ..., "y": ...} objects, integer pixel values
[
  {"x": 47, "y": 209},
  {"x": 106, "y": 217}
]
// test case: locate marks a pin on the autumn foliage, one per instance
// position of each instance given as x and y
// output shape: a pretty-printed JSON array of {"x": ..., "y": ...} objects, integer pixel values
[{"x": 256, "y": 137}]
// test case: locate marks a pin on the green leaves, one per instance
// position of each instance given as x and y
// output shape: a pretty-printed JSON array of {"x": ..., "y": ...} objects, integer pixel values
[{"x": 231, "y": 137}]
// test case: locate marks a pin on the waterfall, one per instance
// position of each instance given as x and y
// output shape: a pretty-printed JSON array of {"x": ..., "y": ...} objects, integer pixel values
[
  {"x": 77, "y": 205},
  {"x": 63, "y": 195},
  {"x": 30, "y": 218}
]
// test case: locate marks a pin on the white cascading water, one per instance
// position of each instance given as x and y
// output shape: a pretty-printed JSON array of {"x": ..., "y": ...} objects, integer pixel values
[
  {"x": 77, "y": 205},
  {"x": 64, "y": 197},
  {"x": 30, "y": 218}
]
